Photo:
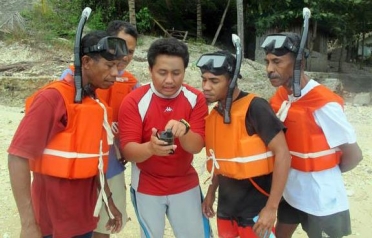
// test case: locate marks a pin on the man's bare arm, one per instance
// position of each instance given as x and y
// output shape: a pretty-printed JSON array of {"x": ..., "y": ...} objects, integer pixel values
[
  {"x": 351, "y": 156},
  {"x": 282, "y": 164},
  {"x": 140, "y": 152},
  {"x": 20, "y": 180},
  {"x": 267, "y": 216},
  {"x": 192, "y": 142}
]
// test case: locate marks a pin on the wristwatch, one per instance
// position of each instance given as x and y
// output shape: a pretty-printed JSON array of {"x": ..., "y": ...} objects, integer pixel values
[{"x": 183, "y": 121}]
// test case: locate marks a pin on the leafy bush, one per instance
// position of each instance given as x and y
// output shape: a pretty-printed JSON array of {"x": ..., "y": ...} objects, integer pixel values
[
  {"x": 95, "y": 20},
  {"x": 53, "y": 19},
  {"x": 143, "y": 20}
]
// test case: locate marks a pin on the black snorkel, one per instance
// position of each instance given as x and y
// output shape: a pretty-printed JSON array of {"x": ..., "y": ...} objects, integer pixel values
[
  {"x": 297, "y": 66},
  {"x": 77, "y": 56},
  {"x": 232, "y": 85}
]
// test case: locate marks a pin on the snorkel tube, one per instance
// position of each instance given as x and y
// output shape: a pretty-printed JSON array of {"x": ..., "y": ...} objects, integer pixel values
[
  {"x": 77, "y": 56},
  {"x": 226, "y": 113},
  {"x": 297, "y": 67}
]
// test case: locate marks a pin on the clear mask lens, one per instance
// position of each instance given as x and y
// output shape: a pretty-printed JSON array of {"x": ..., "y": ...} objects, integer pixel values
[
  {"x": 274, "y": 42},
  {"x": 278, "y": 44},
  {"x": 213, "y": 61}
]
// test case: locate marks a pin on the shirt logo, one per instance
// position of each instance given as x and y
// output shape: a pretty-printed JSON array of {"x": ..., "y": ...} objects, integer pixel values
[
  {"x": 121, "y": 79},
  {"x": 168, "y": 109}
]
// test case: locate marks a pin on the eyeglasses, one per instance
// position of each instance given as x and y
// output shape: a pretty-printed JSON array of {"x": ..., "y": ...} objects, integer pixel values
[
  {"x": 216, "y": 64},
  {"x": 109, "y": 47},
  {"x": 277, "y": 41}
]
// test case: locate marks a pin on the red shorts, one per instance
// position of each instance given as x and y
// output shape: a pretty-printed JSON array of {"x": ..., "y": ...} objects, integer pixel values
[{"x": 230, "y": 229}]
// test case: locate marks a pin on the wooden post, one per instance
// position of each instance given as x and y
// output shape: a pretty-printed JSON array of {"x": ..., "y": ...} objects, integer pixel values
[{"x": 161, "y": 27}]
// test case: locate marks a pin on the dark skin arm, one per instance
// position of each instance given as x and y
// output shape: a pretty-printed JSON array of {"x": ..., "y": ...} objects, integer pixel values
[
  {"x": 114, "y": 225},
  {"x": 210, "y": 197},
  {"x": 20, "y": 181},
  {"x": 351, "y": 156},
  {"x": 267, "y": 216}
]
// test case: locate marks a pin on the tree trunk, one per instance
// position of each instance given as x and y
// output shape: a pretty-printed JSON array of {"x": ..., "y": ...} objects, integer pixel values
[
  {"x": 132, "y": 12},
  {"x": 240, "y": 22},
  {"x": 311, "y": 47},
  {"x": 199, "y": 25},
  {"x": 362, "y": 56},
  {"x": 43, "y": 6},
  {"x": 221, "y": 23},
  {"x": 340, "y": 61}
]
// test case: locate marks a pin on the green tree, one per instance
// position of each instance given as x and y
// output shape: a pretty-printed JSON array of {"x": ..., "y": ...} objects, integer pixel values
[{"x": 132, "y": 12}]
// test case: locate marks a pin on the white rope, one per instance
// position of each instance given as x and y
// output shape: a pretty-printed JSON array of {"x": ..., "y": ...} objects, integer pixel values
[
  {"x": 106, "y": 124},
  {"x": 102, "y": 196}
]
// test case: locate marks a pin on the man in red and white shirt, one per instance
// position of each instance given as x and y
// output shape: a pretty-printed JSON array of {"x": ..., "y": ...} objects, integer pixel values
[{"x": 164, "y": 182}]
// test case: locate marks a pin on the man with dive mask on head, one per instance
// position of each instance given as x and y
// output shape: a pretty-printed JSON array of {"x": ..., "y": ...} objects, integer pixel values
[
  {"x": 320, "y": 139},
  {"x": 66, "y": 145},
  {"x": 248, "y": 157},
  {"x": 124, "y": 84}
]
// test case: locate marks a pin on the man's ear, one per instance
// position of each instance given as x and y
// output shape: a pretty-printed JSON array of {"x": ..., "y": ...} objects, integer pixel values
[
  {"x": 86, "y": 62},
  {"x": 150, "y": 71}
]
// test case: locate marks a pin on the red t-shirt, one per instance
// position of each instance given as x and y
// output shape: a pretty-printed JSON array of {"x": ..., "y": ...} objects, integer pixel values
[
  {"x": 63, "y": 208},
  {"x": 142, "y": 110}
]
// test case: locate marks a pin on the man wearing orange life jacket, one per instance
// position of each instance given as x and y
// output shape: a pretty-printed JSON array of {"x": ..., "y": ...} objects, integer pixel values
[
  {"x": 66, "y": 145},
  {"x": 248, "y": 158},
  {"x": 313, "y": 153},
  {"x": 124, "y": 84},
  {"x": 321, "y": 141},
  {"x": 53, "y": 162},
  {"x": 113, "y": 96}
]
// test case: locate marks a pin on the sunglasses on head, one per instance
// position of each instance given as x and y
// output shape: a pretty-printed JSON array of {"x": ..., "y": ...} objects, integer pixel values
[
  {"x": 278, "y": 42},
  {"x": 109, "y": 47},
  {"x": 216, "y": 64}
]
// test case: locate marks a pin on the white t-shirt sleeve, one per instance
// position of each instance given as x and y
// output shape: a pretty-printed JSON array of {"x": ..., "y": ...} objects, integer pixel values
[{"x": 334, "y": 124}]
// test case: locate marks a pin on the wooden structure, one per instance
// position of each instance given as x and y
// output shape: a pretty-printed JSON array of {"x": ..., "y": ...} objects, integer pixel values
[{"x": 182, "y": 35}]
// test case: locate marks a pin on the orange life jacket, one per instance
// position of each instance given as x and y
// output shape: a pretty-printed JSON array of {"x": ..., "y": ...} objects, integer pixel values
[
  {"x": 306, "y": 140},
  {"x": 116, "y": 93},
  {"x": 79, "y": 150},
  {"x": 231, "y": 151}
]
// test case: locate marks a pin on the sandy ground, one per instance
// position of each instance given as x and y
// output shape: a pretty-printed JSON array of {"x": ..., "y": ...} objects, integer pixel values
[{"x": 358, "y": 181}]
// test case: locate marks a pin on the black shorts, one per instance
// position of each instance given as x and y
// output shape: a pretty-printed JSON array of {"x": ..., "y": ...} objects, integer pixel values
[{"x": 335, "y": 226}]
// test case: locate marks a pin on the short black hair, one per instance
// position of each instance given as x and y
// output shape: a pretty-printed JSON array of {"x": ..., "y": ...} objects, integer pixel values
[
  {"x": 168, "y": 46},
  {"x": 116, "y": 26}
]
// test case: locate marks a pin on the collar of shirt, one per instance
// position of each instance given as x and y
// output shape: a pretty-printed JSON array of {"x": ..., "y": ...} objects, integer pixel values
[
  {"x": 308, "y": 87},
  {"x": 162, "y": 96}
]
